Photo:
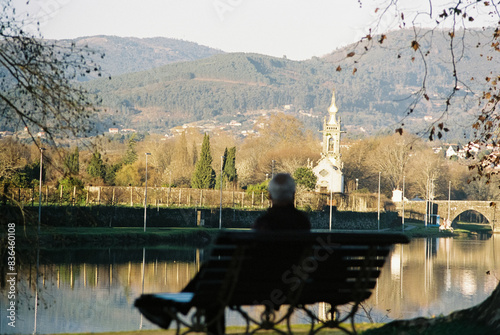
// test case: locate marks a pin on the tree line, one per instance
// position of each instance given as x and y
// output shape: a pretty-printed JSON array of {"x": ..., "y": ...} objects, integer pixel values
[{"x": 191, "y": 159}]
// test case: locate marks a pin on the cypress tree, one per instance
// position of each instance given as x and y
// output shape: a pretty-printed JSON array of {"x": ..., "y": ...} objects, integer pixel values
[
  {"x": 222, "y": 176},
  {"x": 96, "y": 166},
  {"x": 204, "y": 174},
  {"x": 130, "y": 154},
  {"x": 230, "y": 165}
]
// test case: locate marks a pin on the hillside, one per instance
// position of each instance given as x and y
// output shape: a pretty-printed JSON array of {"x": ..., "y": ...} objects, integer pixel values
[
  {"x": 131, "y": 54},
  {"x": 237, "y": 86}
]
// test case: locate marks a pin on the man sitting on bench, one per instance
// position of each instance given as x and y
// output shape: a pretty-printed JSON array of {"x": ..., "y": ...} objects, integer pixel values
[{"x": 282, "y": 215}]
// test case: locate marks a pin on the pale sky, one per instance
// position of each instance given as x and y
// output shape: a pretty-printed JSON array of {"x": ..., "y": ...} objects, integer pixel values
[{"x": 299, "y": 29}]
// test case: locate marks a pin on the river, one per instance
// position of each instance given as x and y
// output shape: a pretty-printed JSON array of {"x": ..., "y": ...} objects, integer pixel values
[{"x": 61, "y": 291}]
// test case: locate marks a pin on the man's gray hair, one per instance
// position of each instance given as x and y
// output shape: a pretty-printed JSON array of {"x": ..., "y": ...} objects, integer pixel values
[{"x": 282, "y": 187}]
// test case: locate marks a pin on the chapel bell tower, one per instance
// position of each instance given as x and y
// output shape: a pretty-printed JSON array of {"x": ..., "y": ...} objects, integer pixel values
[{"x": 328, "y": 171}]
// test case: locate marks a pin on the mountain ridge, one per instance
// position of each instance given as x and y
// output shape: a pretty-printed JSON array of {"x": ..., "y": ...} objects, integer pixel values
[
  {"x": 134, "y": 54},
  {"x": 374, "y": 90}
]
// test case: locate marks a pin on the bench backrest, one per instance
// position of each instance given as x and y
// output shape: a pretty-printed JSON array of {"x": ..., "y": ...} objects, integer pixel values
[{"x": 257, "y": 268}]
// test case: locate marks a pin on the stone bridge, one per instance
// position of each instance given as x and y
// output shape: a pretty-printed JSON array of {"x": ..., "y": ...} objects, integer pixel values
[{"x": 417, "y": 209}]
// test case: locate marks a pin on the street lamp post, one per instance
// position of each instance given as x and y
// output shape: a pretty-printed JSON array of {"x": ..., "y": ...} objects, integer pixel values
[
  {"x": 146, "y": 191},
  {"x": 40, "y": 190},
  {"x": 403, "y": 199},
  {"x": 220, "y": 209},
  {"x": 449, "y": 200},
  {"x": 331, "y": 202},
  {"x": 378, "y": 206}
]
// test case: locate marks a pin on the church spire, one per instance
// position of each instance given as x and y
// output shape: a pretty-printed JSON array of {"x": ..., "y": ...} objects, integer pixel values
[
  {"x": 331, "y": 134},
  {"x": 332, "y": 110},
  {"x": 330, "y": 166}
]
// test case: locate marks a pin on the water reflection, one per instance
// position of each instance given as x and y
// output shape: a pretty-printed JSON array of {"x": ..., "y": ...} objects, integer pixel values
[
  {"x": 435, "y": 276},
  {"x": 61, "y": 294},
  {"x": 63, "y": 291}
]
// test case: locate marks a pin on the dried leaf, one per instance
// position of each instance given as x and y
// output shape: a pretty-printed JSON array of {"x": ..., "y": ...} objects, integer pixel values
[
  {"x": 440, "y": 126},
  {"x": 382, "y": 38},
  {"x": 415, "y": 45},
  {"x": 399, "y": 131},
  {"x": 339, "y": 68},
  {"x": 351, "y": 54},
  {"x": 354, "y": 70},
  {"x": 452, "y": 34},
  {"x": 426, "y": 97}
]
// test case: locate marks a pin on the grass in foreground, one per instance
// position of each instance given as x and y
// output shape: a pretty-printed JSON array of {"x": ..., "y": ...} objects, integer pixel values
[{"x": 237, "y": 330}]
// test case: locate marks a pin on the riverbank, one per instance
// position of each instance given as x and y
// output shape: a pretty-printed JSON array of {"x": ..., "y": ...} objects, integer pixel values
[
  {"x": 456, "y": 328},
  {"x": 417, "y": 229},
  {"x": 58, "y": 237},
  {"x": 200, "y": 237},
  {"x": 175, "y": 217}
]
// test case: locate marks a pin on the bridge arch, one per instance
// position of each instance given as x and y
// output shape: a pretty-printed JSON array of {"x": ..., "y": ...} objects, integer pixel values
[
  {"x": 489, "y": 220},
  {"x": 454, "y": 208}
]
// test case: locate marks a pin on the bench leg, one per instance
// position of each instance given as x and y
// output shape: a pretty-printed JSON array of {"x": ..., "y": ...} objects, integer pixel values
[{"x": 216, "y": 321}]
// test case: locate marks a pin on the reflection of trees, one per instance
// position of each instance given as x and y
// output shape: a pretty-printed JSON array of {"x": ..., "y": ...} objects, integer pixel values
[
  {"x": 418, "y": 280},
  {"x": 95, "y": 287}
]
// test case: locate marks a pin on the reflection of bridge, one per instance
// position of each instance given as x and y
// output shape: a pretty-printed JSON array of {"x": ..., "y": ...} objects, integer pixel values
[{"x": 416, "y": 209}]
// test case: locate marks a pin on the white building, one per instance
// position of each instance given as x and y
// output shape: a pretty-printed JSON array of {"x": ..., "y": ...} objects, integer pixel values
[
  {"x": 329, "y": 168},
  {"x": 450, "y": 152}
]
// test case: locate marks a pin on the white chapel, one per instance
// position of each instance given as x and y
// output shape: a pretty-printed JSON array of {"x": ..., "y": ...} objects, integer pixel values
[{"x": 330, "y": 166}]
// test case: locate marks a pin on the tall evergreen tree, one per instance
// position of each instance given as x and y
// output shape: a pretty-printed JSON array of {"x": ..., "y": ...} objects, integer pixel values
[
  {"x": 204, "y": 174},
  {"x": 230, "y": 165},
  {"x": 222, "y": 176},
  {"x": 96, "y": 166},
  {"x": 130, "y": 154}
]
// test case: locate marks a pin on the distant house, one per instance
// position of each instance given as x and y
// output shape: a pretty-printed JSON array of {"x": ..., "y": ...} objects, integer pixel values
[
  {"x": 397, "y": 196},
  {"x": 450, "y": 152},
  {"x": 113, "y": 130}
]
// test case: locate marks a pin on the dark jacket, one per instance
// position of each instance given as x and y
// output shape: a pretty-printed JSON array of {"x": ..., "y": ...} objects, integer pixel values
[{"x": 282, "y": 218}]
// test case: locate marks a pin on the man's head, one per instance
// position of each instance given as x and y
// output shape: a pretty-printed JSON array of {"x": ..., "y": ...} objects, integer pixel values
[{"x": 282, "y": 189}]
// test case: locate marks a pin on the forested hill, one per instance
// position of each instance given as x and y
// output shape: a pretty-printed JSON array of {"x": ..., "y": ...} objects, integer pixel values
[
  {"x": 131, "y": 54},
  {"x": 373, "y": 90}
]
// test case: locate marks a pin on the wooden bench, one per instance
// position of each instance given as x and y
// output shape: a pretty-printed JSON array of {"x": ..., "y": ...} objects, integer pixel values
[{"x": 291, "y": 270}]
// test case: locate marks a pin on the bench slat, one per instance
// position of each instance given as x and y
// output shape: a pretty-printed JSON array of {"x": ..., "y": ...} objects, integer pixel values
[{"x": 253, "y": 268}]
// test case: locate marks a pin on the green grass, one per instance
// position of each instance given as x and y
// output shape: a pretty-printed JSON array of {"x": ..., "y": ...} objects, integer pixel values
[
  {"x": 98, "y": 236},
  {"x": 297, "y": 329},
  {"x": 462, "y": 230},
  {"x": 444, "y": 327},
  {"x": 473, "y": 228}
]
